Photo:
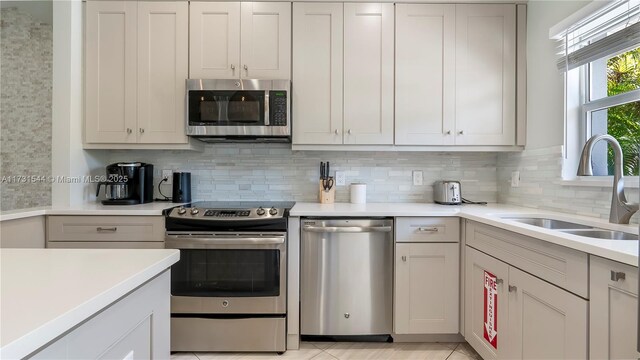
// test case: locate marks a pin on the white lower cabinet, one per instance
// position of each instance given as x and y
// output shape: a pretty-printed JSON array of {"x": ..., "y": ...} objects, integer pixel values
[
  {"x": 476, "y": 265},
  {"x": 426, "y": 288},
  {"x": 544, "y": 321},
  {"x": 134, "y": 327},
  {"x": 613, "y": 313},
  {"x": 535, "y": 320}
]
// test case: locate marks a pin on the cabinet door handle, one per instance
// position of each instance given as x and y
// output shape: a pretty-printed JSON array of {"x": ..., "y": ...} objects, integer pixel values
[
  {"x": 335, "y": 131},
  {"x": 513, "y": 288},
  {"x": 404, "y": 258},
  {"x": 141, "y": 131},
  {"x": 499, "y": 281},
  {"x": 429, "y": 230},
  {"x": 233, "y": 67},
  {"x": 617, "y": 275},
  {"x": 448, "y": 132},
  {"x": 461, "y": 132},
  {"x": 129, "y": 131},
  {"x": 349, "y": 131},
  {"x": 110, "y": 229},
  {"x": 246, "y": 68}
]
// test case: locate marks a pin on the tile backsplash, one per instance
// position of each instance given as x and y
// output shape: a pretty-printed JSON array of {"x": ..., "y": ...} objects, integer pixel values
[
  {"x": 26, "y": 60},
  {"x": 541, "y": 185},
  {"x": 275, "y": 172}
]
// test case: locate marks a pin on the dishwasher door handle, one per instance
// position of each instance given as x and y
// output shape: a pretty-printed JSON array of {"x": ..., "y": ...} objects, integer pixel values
[{"x": 346, "y": 229}]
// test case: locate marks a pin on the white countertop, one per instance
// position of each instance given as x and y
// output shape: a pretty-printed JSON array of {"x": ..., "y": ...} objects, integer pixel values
[
  {"x": 46, "y": 292},
  {"x": 625, "y": 251},
  {"x": 93, "y": 208}
]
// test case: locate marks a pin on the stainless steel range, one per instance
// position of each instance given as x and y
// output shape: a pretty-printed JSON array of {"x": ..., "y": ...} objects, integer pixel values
[{"x": 228, "y": 291}]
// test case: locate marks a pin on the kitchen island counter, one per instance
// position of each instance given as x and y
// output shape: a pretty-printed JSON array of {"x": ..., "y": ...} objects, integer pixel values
[{"x": 45, "y": 293}]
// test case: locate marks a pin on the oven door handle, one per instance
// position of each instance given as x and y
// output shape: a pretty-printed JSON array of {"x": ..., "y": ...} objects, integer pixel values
[{"x": 176, "y": 242}]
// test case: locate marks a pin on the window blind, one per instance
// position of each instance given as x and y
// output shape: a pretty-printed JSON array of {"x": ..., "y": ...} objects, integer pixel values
[{"x": 612, "y": 29}]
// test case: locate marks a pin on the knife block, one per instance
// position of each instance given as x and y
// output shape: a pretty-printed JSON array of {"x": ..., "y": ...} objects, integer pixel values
[{"x": 326, "y": 197}]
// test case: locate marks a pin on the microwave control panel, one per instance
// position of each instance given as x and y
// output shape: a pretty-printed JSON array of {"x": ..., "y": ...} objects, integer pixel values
[{"x": 278, "y": 106}]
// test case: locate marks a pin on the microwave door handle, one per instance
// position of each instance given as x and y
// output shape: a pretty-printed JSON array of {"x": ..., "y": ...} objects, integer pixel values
[{"x": 266, "y": 108}]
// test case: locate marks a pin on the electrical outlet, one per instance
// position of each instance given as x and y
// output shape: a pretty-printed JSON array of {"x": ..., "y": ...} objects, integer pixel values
[
  {"x": 340, "y": 178},
  {"x": 417, "y": 177},
  {"x": 515, "y": 179},
  {"x": 167, "y": 174}
]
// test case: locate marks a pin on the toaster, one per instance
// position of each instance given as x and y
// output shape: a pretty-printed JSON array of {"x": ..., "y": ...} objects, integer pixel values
[{"x": 447, "y": 192}]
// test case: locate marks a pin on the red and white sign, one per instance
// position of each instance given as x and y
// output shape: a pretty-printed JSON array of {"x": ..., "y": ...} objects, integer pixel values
[{"x": 491, "y": 309}]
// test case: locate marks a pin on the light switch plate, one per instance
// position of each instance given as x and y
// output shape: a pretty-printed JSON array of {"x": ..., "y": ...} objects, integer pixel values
[
  {"x": 515, "y": 179},
  {"x": 417, "y": 177},
  {"x": 340, "y": 178},
  {"x": 167, "y": 174}
]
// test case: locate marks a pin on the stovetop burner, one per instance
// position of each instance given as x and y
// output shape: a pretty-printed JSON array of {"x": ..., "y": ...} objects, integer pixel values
[{"x": 229, "y": 215}]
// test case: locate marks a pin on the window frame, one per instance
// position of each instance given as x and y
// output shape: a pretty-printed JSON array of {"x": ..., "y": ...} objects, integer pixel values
[{"x": 578, "y": 110}]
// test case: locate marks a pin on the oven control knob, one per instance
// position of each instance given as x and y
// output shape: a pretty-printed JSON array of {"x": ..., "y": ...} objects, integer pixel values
[
  {"x": 182, "y": 210},
  {"x": 273, "y": 211},
  {"x": 260, "y": 211},
  {"x": 195, "y": 211}
]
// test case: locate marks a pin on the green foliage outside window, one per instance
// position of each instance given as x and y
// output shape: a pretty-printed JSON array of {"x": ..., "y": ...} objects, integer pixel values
[{"x": 623, "y": 75}]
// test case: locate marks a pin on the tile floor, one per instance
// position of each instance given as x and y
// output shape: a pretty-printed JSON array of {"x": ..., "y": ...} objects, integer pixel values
[{"x": 352, "y": 351}]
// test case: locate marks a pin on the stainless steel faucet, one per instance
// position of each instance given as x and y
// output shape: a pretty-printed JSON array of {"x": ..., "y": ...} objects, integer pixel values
[{"x": 621, "y": 210}]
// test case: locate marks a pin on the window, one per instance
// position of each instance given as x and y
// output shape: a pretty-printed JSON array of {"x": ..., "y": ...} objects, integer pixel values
[
  {"x": 613, "y": 108},
  {"x": 600, "y": 52}
]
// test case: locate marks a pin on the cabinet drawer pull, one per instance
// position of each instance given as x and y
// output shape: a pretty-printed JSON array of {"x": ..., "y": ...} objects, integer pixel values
[
  {"x": 233, "y": 67},
  {"x": 404, "y": 258},
  {"x": 617, "y": 275},
  {"x": 246, "y": 68},
  {"x": 428, "y": 230},
  {"x": 512, "y": 288},
  {"x": 110, "y": 229}
]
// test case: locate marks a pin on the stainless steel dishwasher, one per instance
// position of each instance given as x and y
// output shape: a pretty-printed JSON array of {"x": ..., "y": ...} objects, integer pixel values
[{"x": 347, "y": 273}]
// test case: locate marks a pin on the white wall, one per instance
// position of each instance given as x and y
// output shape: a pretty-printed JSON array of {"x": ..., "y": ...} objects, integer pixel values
[
  {"x": 68, "y": 157},
  {"x": 545, "y": 84}
]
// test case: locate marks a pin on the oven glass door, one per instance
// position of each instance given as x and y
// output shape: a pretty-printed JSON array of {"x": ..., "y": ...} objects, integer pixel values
[
  {"x": 227, "y": 108},
  {"x": 226, "y": 273}
]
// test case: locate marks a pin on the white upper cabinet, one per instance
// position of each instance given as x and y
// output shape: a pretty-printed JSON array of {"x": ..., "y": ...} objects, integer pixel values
[
  {"x": 425, "y": 74},
  {"x": 368, "y": 73},
  {"x": 485, "y": 74},
  {"x": 214, "y": 43},
  {"x": 135, "y": 70},
  {"x": 231, "y": 40},
  {"x": 162, "y": 69},
  {"x": 110, "y": 91},
  {"x": 266, "y": 40},
  {"x": 317, "y": 73}
]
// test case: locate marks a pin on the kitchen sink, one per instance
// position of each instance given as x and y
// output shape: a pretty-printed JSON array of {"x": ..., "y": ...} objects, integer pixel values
[
  {"x": 550, "y": 223},
  {"x": 603, "y": 234}
]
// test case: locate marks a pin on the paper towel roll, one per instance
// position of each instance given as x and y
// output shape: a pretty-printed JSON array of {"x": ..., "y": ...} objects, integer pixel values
[{"x": 358, "y": 193}]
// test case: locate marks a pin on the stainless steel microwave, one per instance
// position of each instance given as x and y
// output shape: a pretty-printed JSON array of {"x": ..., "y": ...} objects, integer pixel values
[{"x": 239, "y": 110}]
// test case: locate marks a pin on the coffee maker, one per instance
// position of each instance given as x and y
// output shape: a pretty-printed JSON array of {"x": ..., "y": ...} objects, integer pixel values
[{"x": 128, "y": 183}]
